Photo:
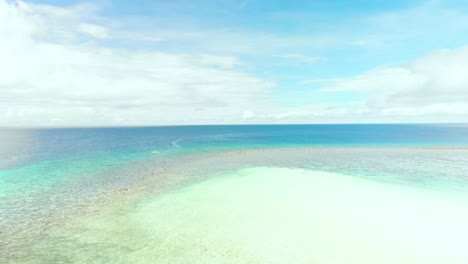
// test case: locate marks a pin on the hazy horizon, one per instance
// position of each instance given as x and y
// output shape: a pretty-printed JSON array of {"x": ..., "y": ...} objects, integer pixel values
[{"x": 195, "y": 125}]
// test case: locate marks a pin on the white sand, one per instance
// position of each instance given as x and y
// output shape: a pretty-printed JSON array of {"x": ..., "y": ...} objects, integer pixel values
[{"x": 271, "y": 215}]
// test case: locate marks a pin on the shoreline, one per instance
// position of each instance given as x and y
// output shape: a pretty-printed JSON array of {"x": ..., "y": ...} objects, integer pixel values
[
  {"x": 267, "y": 215},
  {"x": 191, "y": 168}
]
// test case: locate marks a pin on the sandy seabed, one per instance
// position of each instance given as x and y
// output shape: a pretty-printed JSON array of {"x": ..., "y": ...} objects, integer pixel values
[{"x": 269, "y": 215}]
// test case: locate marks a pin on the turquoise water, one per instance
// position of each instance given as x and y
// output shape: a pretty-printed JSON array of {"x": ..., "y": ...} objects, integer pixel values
[
  {"x": 34, "y": 160},
  {"x": 47, "y": 173},
  {"x": 268, "y": 215}
]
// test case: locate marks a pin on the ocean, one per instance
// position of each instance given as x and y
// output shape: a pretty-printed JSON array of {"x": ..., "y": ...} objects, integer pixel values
[{"x": 60, "y": 187}]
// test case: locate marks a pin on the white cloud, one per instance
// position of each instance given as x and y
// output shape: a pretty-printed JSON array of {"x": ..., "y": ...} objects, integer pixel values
[
  {"x": 432, "y": 88},
  {"x": 50, "y": 22},
  {"x": 248, "y": 115},
  {"x": 433, "y": 84},
  {"x": 52, "y": 75},
  {"x": 48, "y": 81},
  {"x": 93, "y": 30}
]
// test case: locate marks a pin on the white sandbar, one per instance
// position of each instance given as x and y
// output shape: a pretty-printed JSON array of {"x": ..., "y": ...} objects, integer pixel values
[{"x": 272, "y": 215}]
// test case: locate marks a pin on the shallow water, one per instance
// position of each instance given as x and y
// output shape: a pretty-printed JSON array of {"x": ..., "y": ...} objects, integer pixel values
[
  {"x": 52, "y": 178},
  {"x": 270, "y": 215}
]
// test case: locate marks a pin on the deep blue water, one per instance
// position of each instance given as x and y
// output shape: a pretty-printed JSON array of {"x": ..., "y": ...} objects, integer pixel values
[{"x": 23, "y": 147}]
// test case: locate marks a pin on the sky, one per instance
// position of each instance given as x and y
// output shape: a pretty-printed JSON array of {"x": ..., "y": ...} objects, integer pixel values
[{"x": 178, "y": 62}]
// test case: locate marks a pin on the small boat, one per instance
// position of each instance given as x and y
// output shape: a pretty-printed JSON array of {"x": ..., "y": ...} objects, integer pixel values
[{"x": 155, "y": 152}]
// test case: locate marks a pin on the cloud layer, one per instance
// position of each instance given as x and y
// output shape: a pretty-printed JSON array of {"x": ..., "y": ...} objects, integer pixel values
[
  {"x": 54, "y": 81},
  {"x": 61, "y": 66},
  {"x": 435, "y": 84}
]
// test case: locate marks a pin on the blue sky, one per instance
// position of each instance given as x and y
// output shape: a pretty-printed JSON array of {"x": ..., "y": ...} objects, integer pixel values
[{"x": 303, "y": 53}]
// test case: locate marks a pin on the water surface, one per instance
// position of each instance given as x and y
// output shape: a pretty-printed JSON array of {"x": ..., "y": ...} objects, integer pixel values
[{"x": 50, "y": 177}]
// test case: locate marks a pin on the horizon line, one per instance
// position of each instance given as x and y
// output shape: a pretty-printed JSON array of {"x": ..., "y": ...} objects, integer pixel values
[{"x": 238, "y": 124}]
